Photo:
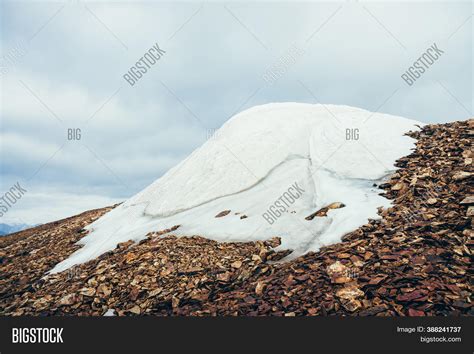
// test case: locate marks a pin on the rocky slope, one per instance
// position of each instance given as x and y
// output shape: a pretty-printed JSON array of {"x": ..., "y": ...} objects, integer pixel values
[{"x": 415, "y": 261}]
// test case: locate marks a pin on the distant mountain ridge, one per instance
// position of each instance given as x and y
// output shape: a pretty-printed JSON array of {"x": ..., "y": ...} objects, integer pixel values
[{"x": 6, "y": 229}]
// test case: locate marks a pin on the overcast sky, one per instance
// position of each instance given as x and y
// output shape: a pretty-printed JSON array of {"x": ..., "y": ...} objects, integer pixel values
[{"x": 63, "y": 64}]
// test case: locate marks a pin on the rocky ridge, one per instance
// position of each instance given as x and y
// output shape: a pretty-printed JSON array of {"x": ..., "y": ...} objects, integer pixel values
[{"x": 415, "y": 261}]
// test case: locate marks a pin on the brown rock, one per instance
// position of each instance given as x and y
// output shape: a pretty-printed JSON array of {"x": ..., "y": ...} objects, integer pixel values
[
  {"x": 87, "y": 291},
  {"x": 323, "y": 211},
  {"x": 415, "y": 313},
  {"x": 470, "y": 211},
  {"x": 349, "y": 292},
  {"x": 468, "y": 200},
  {"x": 136, "y": 310},
  {"x": 336, "y": 268},
  {"x": 259, "y": 288},
  {"x": 236, "y": 264},
  {"x": 462, "y": 175},
  {"x": 222, "y": 213},
  {"x": 68, "y": 299}
]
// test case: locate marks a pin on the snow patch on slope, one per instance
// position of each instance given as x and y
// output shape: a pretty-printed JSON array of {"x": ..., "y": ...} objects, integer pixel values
[{"x": 252, "y": 160}]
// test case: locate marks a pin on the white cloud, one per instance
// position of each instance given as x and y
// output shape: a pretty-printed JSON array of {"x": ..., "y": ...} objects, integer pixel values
[{"x": 39, "y": 207}]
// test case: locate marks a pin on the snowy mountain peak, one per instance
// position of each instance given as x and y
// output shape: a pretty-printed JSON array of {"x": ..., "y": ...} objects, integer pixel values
[{"x": 275, "y": 164}]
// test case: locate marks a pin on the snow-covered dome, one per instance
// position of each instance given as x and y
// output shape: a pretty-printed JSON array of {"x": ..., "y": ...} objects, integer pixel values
[{"x": 332, "y": 153}]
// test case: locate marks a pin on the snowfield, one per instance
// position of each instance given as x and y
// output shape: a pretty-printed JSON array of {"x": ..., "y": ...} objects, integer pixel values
[{"x": 252, "y": 160}]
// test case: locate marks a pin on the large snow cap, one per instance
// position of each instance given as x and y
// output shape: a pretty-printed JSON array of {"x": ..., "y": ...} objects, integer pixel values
[{"x": 332, "y": 153}]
